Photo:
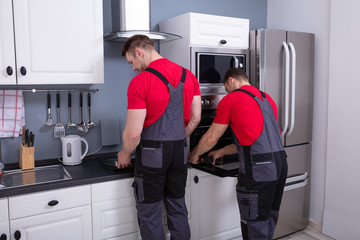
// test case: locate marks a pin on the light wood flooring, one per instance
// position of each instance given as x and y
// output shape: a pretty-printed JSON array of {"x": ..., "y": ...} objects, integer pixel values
[{"x": 309, "y": 233}]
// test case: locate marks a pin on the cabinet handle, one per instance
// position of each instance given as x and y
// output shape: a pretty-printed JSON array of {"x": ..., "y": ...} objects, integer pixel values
[
  {"x": 23, "y": 71},
  {"x": 53, "y": 203},
  {"x": 196, "y": 179},
  {"x": 17, "y": 235},
  {"x": 3, "y": 236},
  {"x": 9, "y": 71},
  {"x": 223, "y": 41}
]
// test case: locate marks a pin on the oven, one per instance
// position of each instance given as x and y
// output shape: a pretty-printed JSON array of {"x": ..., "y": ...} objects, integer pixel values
[{"x": 209, "y": 65}]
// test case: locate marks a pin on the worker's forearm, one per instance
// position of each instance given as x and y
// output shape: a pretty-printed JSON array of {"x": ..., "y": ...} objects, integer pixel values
[
  {"x": 206, "y": 143},
  {"x": 191, "y": 127},
  {"x": 130, "y": 142},
  {"x": 229, "y": 149}
]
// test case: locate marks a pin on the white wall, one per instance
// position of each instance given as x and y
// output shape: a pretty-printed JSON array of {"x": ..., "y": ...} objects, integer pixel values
[
  {"x": 311, "y": 16},
  {"x": 342, "y": 211}
]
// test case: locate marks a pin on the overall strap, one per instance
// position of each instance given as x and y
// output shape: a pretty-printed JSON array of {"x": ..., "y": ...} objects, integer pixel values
[
  {"x": 162, "y": 78},
  {"x": 158, "y": 74},
  {"x": 250, "y": 94}
]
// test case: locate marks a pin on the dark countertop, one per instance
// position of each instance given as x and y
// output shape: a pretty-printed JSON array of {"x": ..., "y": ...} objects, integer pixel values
[{"x": 91, "y": 170}]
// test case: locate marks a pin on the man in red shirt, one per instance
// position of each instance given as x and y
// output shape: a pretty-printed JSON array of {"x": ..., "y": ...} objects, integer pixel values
[
  {"x": 252, "y": 115},
  {"x": 164, "y": 107}
]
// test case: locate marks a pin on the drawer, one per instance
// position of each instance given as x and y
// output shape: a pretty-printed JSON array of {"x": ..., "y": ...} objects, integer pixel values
[
  {"x": 117, "y": 189},
  {"x": 38, "y": 203},
  {"x": 112, "y": 190},
  {"x": 209, "y": 30},
  {"x": 4, "y": 210}
]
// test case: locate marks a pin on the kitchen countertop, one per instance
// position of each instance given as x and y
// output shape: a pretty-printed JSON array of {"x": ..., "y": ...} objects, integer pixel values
[{"x": 91, "y": 170}]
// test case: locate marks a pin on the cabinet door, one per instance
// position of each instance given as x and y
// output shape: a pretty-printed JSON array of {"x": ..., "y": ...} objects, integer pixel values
[
  {"x": 70, "y": 224},
  {"x": 4, "y": 219},
  {"x": 59, "y": 42},
  {"x": 114, "y": 218},
  {"x": 214, "y": 208},
  {"x": 4, "y": 230},
  {"x": 7, "y": 51}
]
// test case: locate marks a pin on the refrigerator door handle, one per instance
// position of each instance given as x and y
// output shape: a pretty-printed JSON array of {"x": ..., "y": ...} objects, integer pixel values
[
  {"x": 293, "y": 85},
  {"x": 294, "y": 186},
  {"x": 297, "y": 178},
  {"x": 287, "y": 60}
]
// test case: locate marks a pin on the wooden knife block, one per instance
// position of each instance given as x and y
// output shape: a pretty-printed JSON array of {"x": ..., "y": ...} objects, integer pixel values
[{"x": 26, "y": 160}]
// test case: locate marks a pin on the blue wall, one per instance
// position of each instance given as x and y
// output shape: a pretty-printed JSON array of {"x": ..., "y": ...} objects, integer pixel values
[{"x": 110, "y": 102}]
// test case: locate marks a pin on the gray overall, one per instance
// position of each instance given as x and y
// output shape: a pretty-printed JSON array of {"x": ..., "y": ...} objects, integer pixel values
[
  {"x": 261, "y": 177},
  {"x": 161, "y": 170}
]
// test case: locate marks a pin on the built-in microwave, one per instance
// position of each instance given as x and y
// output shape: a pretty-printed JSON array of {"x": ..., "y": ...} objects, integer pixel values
[{"x": 210, "y": 64}]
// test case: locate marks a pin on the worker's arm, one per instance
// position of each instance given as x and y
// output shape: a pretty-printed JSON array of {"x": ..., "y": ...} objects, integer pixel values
[
  {"x": 195, "y": 115},
  {"x": 207, "y": 141},
  {"x": 229, "y": 149},
  {"x": 131, "y": 135}
]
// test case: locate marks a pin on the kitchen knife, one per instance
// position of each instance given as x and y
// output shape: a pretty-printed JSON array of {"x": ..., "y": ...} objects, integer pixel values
[
  {"x": 26, "y": 137},
  {"x": 32, "y": 137},
  {"x": 23, "y": 135}
]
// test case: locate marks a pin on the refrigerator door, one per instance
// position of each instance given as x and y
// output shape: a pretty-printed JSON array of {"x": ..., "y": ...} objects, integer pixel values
[
  {"x": 267, "y": 66},
  {"x": 301, "y": 94},
  {"x": 281, "y": 64},
  {"x": 298, "y": 158},
  {"x": 294, "y": 210}
]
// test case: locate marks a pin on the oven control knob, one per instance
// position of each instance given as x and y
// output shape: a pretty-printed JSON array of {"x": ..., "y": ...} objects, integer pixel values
[{"x": 207, "y": 102}]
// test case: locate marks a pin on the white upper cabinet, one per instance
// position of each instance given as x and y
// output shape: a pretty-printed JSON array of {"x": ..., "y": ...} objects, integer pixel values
[
  {"x": 56, "y": 42},
  {"x": 7, "y": 49},
  {"x": 208, "y": 30}
]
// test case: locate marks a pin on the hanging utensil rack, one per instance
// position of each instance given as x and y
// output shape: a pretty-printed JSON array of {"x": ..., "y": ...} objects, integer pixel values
[{"x": 60, "y": 90}]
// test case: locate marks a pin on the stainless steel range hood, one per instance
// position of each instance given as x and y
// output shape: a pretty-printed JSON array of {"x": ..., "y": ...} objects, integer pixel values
[{"x": 130, "y": 17}]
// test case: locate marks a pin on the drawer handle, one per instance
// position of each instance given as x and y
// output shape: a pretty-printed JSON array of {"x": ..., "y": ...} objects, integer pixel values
[
  {"x": 223, "y": 41},
  {"x": 17, "y": 235},
  {"x": 9, "y": 71},
  {"x": 23, "y": 71},
  {"x": 196, "y": 179},
  {"x": 3, "y": 236},
  {"x": 53, "y": 203}
]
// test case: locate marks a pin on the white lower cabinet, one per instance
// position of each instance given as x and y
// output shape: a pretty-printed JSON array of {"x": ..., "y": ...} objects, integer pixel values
[
  {"x": 214, "y": 207},
  {"x": 114, "y": 211},
  {"x": 56, "y": 214},
  {"x": 4, "y": 219}
]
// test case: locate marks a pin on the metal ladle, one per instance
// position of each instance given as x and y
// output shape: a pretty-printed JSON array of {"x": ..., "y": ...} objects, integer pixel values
[
  {"x": 89, "y": 123},
  {"x": 49, "y": 121},
  {"x": 81, "y": 127},
  {"x": 70, "y": 123}
]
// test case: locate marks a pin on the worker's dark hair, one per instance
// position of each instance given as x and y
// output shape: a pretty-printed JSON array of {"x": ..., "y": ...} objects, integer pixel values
[
  {"x": 137, "y": 41},
  {"x": 236, "y": 73}
]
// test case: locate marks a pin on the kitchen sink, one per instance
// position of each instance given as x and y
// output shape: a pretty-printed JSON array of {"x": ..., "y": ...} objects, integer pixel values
[{"x": 19, "y": 178}]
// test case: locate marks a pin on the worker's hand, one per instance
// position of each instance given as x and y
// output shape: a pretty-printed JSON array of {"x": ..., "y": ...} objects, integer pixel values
[
  {"x": 124, "y": 160},
  {"x": 216, "y": 154},
  {"x": 193, "y": 158}
]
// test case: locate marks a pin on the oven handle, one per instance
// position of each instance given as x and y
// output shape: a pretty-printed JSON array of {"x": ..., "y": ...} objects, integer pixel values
[
  {"x": 236, "y": 62},
  {"x": 198, "y": 66}
]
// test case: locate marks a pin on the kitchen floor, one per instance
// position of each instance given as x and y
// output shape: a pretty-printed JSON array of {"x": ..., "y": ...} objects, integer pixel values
[{"x": 308, "y": 233}]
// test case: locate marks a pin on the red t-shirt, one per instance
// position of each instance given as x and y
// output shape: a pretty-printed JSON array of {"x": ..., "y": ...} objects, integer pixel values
[
  {"x": 243, "y": 114},
  {"x": 147, "y": 91}
]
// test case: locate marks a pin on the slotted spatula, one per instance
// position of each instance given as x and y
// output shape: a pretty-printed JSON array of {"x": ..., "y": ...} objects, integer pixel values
[{"x": 59, "y": 130}]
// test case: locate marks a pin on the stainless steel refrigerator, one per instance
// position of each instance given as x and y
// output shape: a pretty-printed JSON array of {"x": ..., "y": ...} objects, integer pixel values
[{"x": 282, "y": 64}]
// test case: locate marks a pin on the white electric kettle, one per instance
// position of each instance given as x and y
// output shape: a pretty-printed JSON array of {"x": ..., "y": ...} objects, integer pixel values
[{"x": 72, "y": 150}]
